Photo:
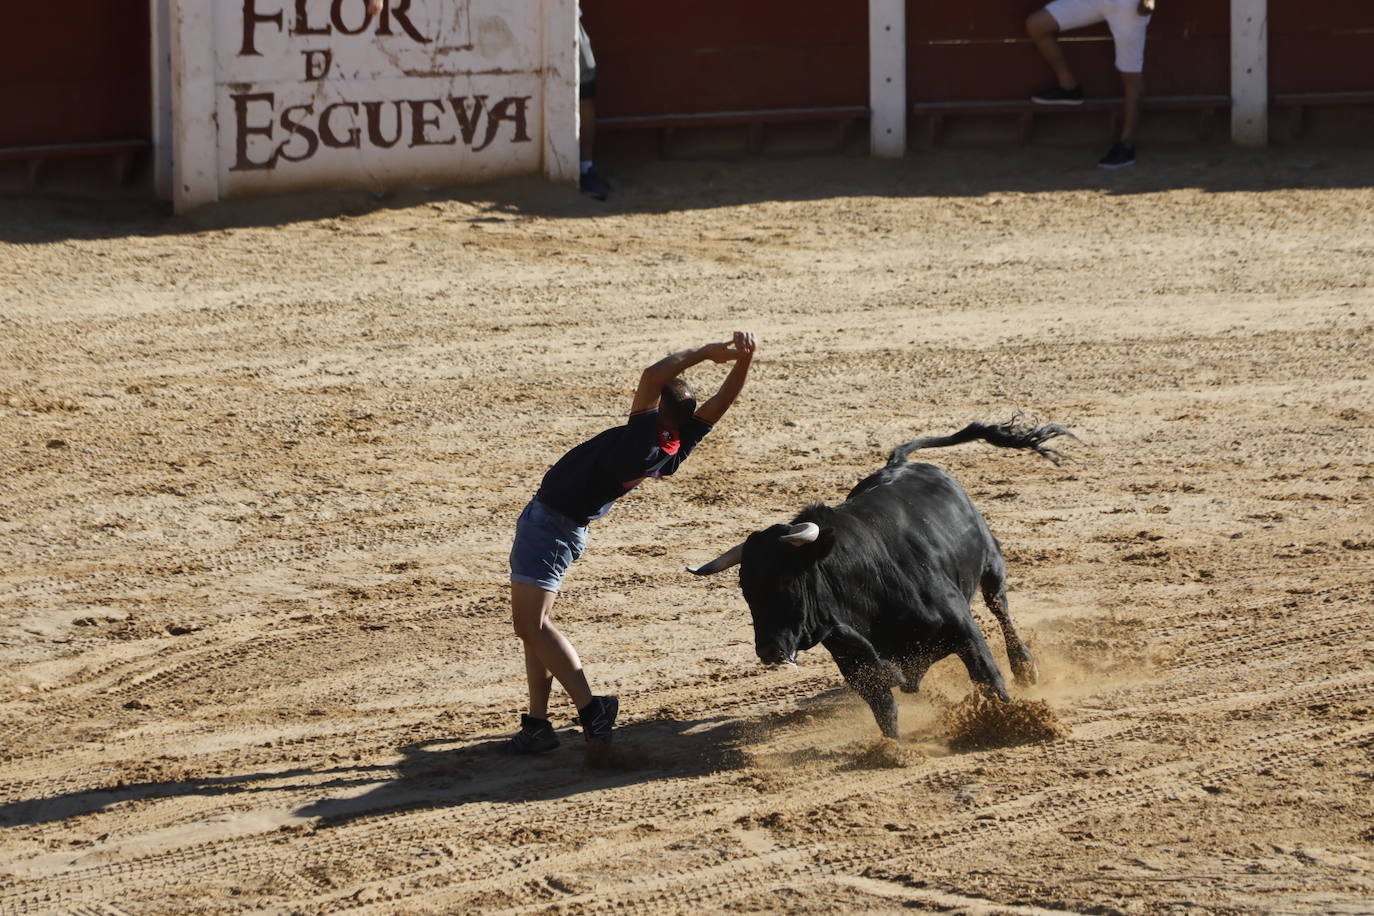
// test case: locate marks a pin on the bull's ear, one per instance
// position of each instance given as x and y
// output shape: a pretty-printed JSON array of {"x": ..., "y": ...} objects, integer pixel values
[{"x": 825, "y": 542}]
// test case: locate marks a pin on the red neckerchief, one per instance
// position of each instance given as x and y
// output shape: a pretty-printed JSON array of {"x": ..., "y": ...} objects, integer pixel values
[{"x": 668, "y": 441}]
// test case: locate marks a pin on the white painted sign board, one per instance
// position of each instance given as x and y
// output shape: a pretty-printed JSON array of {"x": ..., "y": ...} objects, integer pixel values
[{"x": 320, "y": 93}]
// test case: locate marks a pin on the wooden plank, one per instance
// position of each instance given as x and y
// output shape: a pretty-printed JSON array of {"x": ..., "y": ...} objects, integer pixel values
[
  {"x": 1016, "y": 106},
  {"x": 1295, "y": 105},
  {"x": 666, "y": 126},
  {"x": 732, "y": 118},
  {"x": 68, "y": 150},
  {"x": 934, "y": 114},
  {"x": 1324, "y": 98}
]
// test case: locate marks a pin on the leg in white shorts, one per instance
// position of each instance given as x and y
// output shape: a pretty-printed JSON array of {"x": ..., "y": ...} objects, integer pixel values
[{"x": 1126, "y": 24}]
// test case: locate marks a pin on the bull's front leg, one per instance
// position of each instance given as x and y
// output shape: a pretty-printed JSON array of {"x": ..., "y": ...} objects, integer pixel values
[
  {"x": 977, "y": 658},
  {"x": 871, "y": 676}
]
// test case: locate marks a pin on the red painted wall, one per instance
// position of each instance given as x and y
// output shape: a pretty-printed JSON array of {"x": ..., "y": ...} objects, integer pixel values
[
  {"x": 659, "y": 57},
  {"x": 1321, "y": 45},
  {"x": 79, "y": 69},
  {"x": 75, "y": 70},
  {"x": 978, "y": 49}
]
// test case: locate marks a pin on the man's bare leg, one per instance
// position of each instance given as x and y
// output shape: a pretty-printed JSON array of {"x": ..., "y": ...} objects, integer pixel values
[
  {"x": 540, "y": 683},
  {"x": 1043, "y": 31},
  {"x": 548, "y": 654},
  {"x": 1134, "y": 86}
]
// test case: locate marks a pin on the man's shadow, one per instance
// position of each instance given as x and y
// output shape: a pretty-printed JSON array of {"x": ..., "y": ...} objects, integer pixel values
[
  {"x": 439, "y": 772},
  {"x": 442, "y": 772}
]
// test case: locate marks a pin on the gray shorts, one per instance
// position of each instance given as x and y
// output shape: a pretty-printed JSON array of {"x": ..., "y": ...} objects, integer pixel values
[
  {"x": 1127, "y": 26},
  {"x": 586, "y": 65},
  {"x": 546, "y": 543}
]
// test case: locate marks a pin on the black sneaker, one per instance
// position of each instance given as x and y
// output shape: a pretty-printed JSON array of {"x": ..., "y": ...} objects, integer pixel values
[
  {"x": 535, "y": 737},
  {"x": 592, "y": 185},
  {"x": 1056, "y": 95},
  {"x": 1118, "y": 157},
  {"x": 598, "y": 717}
]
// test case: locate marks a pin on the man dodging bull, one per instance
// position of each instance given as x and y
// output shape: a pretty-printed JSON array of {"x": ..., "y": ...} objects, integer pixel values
[{"x": 664, "y": 426}]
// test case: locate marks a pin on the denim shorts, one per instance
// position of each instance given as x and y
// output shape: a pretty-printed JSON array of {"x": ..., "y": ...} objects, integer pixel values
[{"x": 546, "y": 543}]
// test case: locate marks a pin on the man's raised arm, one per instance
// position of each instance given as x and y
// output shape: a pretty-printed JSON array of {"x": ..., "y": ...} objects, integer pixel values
[
  {"x": 742, "y": 351},
  {"x": 652, "y": 380}
]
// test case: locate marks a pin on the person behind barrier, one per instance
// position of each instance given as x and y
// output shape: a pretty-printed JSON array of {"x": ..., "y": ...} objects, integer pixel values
[{"x": 1127, "y": 20}]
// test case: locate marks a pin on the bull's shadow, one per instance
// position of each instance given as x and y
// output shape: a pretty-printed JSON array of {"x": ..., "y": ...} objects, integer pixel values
[{"x": 437, "y": 772}]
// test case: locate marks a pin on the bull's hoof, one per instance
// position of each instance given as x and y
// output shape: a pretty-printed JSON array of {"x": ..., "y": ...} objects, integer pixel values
[
  {"x": 1023, "y": 667},
  {"x": 994, "y": 693}
]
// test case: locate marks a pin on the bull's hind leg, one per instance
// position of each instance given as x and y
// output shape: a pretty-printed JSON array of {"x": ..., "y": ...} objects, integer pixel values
[
  {"x": 994, "y": 586},
  {"x": 961, "y": 634}
]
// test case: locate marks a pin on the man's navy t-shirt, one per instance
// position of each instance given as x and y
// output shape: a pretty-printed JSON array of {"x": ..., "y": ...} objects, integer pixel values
[{"x": 585, "y": 482}]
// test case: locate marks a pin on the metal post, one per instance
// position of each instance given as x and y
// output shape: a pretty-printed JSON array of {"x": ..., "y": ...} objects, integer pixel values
[
  {"x": 887, "y": 78},
  {"x": 1250, "y": 72}
]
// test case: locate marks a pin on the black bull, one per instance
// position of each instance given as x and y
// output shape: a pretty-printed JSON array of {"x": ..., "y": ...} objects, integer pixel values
[{"x": 885, "y": 579}]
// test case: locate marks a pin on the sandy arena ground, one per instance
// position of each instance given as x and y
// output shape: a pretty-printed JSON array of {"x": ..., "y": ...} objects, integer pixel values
[{"x": 260, "y": 468}]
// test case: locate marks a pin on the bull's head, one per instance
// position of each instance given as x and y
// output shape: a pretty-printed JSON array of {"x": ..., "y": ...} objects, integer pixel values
[{"x": 777, "y": 575}]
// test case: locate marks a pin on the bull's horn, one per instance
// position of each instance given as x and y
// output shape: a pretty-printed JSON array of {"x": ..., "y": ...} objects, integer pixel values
[
  {"x": 796, "y": 535},
  {"x": 730, "y": 558}
]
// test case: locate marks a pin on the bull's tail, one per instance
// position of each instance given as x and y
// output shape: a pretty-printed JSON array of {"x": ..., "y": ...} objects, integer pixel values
[{"x": 1015, "y": 433}]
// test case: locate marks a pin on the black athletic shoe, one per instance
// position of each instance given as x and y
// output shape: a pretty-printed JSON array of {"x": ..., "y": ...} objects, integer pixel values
[
  {"x": 592, "y": 185},
  {"x": 535, "y": 737},
  {"x": 1056, "y": 95},
  {"x": 1118, "y": 157},
  {"x": 598, "y": 717}
]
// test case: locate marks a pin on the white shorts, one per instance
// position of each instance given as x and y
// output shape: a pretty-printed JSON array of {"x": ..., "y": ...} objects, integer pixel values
[{"x": 1127, "y": 25}]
